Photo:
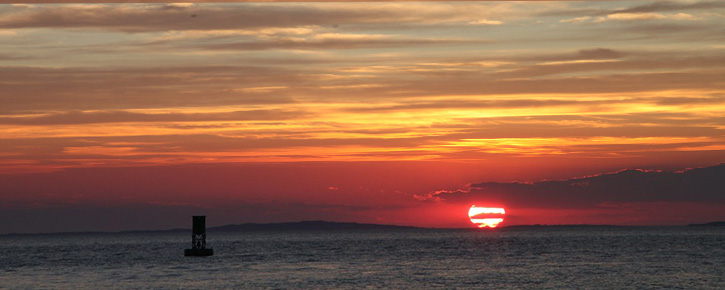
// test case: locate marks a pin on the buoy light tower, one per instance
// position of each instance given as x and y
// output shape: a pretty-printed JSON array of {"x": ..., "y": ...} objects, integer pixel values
[{"x": 198, "y": 238}]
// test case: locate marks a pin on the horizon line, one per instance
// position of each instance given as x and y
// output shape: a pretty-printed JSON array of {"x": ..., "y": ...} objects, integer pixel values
[{"x": 473, "y": 227}]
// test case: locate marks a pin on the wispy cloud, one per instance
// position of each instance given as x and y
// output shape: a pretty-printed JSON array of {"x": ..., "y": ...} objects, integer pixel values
[
  {"x": 79, "y": 117},
  {"x": 211, "y": 82},
  {"x": 163, "y": 17},
  {"x": 630, "y": 17},
  {"x": 486, "y": 22}
]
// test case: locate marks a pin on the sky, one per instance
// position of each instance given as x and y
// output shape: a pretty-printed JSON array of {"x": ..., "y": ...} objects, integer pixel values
[{"x": 135, "y": 116}]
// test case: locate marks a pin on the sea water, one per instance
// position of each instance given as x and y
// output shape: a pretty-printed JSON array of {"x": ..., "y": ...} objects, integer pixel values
[{"x": 510, "y": 258}]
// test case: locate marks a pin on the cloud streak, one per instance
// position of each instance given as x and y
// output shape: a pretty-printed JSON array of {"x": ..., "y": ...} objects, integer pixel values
[
  {"x": 701, "y": 185},
  {"x": 78, "y": 117},
  {"x": 144, "y": 18}
]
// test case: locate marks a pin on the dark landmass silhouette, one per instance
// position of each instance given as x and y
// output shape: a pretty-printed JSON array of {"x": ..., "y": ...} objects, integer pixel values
[
  {"x": 710, "y": 224},
  {"x": 306, "y": 226}
]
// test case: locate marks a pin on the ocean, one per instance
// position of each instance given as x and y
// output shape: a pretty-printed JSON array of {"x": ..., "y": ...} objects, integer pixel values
[{"x": 577, "y": 257}]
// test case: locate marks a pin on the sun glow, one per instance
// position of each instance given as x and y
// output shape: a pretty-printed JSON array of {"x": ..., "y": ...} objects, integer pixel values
[{"x": 484, "y": 217}]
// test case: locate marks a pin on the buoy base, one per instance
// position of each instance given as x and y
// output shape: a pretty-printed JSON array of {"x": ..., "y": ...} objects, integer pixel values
[{"x": 198, "y": 252}]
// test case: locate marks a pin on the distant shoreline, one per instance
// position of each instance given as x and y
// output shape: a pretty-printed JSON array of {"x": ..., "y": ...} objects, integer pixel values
[
  {"x": 710, "y": 224},
  {"x": 327, "y": 226}
]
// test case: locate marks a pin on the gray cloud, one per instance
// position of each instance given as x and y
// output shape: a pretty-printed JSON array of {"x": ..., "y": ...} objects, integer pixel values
[
  {"x": 481, "y": 84},
  {"x": 663, "y": 6},
  {"x": 30, "y": 89},
  {"x": 76, "y": 117},
  {"x": 164, "y": 17},
  {"x": 10, "y": 57},
  {"x": 219, "y": 16},
  {"x": 613, "y": 61},
  {"x": 700, "y": 185},
  {"x": 333, "y": 44},
  {"x": 651, "y": 7},
  {"x": 684, "y": 31},
  {"x": 599, "y": 53},
  {"x": 581, "y": 54}
]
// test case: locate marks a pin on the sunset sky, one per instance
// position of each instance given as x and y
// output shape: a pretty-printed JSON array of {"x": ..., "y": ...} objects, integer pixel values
[{"x": 135, "y": 116}]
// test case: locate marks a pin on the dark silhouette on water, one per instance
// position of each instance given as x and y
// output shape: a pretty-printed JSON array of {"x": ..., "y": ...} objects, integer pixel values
[{"x": 198, "y": 238}]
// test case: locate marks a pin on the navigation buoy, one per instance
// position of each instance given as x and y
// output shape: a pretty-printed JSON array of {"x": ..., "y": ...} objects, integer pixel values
[{"x": 198, "y": 238}]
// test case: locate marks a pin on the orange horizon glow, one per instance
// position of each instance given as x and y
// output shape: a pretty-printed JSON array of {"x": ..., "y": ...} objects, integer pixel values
[{"x": 484, "y": 217}]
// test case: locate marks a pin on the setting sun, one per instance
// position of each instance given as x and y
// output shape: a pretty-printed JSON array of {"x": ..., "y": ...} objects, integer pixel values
[{"x": 484, "y": 217}]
